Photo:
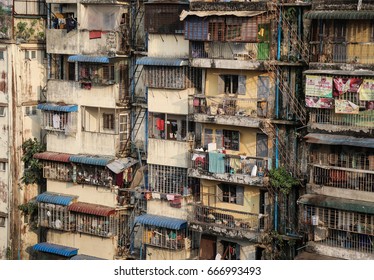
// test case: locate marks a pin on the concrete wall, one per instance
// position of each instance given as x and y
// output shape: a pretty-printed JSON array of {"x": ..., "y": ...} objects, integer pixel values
[
  {"x": 162, "y": 208},
  {"x": 70, "y": 92},
  {"x": 87, "y": 244},
  {"x": 154, "y": 253},
  {"x": 169, "y": 101},
  {"x": 168, "y": 46},
  {"x": 86, "y": 193},
  {"x": 168, "y": 152}
]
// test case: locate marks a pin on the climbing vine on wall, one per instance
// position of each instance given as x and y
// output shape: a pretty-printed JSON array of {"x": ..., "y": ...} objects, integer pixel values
[{"x": 33, "y": 173}]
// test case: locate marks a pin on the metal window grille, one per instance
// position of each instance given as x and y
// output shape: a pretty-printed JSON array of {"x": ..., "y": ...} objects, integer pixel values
[
  {"x": 57, "y": 171},
  {"x": 55, "y": 216},
  {"x": 163, "y": 18},
  {"x": 97, "y": 225},
  {"x": 94, "y": 175},
  {"x": 108, "y": 121},
  {"x": 166, "y": 238},
  {"x": 168, "y": 179}
]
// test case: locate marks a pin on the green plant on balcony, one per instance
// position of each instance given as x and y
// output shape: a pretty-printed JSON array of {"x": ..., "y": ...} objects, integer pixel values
[
  {"x": 282, "y": 180},
  {"x": 30, "y": 210}
]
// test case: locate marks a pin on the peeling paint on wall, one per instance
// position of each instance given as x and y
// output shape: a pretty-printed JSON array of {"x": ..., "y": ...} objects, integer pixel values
[
  {"x": 3, "y": 192},
  {"x": 3, "y": 84}
]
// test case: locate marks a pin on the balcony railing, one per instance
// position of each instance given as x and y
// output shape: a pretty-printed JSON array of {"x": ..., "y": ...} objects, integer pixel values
[
  {"x": 232, "y": 164},
  {"x": 230, "y": 51},
  {"x": 344, "y": 178},
  {"x": 323, "y": 116},
  {"x": 228, "y": 219},
  {"x": 230, "y": 106},
  {"x": 342, "y": 52},
  {"x": 353, "y": 241}
]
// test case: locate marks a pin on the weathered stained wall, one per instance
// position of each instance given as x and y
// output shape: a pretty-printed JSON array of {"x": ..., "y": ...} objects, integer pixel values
[
  {"x": 167, "y": 46},
  {"x": 168, "y": 152},
  {"x": 169, "y": 101}
]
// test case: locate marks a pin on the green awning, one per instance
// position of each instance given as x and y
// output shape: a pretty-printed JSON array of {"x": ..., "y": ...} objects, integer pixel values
[
  {"x": 343, "y": 204},
  {"x": 362, "y": 14}
]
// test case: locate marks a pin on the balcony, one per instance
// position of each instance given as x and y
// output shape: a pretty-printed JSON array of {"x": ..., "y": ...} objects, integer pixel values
[
  {"x": 229, "y": 168},
  {"x": 328, "y": 120},
  {"x": 342, "y": 52},
  {"x": 218, "y": 221},
  {"x": 245, "y": 112},
  {"x": 229, "y": 55},
  {"x": 343, "y": 178},
  {"x": 99, "y": 94}
]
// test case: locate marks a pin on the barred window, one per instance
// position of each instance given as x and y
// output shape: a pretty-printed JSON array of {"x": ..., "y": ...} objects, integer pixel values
[
  {"x": 104, "y": 226},
  {"x": 55, "y": 216},
  {"x": 168, "y": 179},
  {"x": 231, "y": 140}
]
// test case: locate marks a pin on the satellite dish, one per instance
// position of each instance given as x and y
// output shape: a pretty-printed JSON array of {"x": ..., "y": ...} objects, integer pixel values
[{"x": 58, "y": 224}]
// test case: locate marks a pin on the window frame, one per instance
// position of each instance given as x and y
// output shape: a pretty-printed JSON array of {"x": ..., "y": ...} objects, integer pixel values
[
  {"x": 228, "y": 136},
  {"x": 2, "y": 111},
  {"x": 232, "y": 194},
  {"x": 109, "y": 121}
]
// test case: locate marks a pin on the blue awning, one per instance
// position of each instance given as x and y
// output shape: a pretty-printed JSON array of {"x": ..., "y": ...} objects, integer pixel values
[
  {"x": 91, "y": 160},
  {"x": 88, "y": 58},
  {"x": 157, "y": 61},
  {"x": 55, "y": 198},
  {"x": 55, "y": 249},
  {"x": 85, "y": 257},
  {"x": 161, "y": 221},
  {"x": 60, "y": 108}
]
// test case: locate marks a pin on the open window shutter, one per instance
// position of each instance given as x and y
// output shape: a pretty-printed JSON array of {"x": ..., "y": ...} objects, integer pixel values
[
  {"x": 239, "y": 195},
  {"x": 221, "y": 84},
  {"x": 241, "y": 86},
  {"x": 219, "y": 138},
  {"x": 263, "y": 87},
  {"x": 219, "y": 193}
]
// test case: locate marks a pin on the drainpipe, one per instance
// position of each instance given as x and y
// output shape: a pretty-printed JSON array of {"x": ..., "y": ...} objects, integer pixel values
[
  {"x": 277, "y": 116},
  {"x": 49, "y": 60}
]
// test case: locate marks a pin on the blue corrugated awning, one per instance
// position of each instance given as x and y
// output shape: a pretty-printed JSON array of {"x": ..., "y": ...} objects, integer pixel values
[
  {"x": 85, "y": 257},
  {"x": 88, "y": 58},
  {"x": 157, "y": 61},
  {"x": 161, "y": 221},
  {"x": 55, "y": 198},
  {"x": 91, "y": 160},
  {"x": 55, "y": 249},
  {"x": 60, "y": 108}
]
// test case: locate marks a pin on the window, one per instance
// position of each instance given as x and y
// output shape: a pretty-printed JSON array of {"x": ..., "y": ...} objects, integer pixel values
[
  {"x": 1, "y": 55},
  {"x": 108, "y": 121},
  {"x": 2, "y": 221},
  {"x": 30, "y": 111},
  {"x": 108, "y": 73},
  {"x": 30, "y": 54},
  {"x": 2, "y": 111},
  {"x": 2, "y": 166},
  {"x": 232, "y": 194},
  {"x": 232, "y": 84},
  {"x": 231, "y": 140}
]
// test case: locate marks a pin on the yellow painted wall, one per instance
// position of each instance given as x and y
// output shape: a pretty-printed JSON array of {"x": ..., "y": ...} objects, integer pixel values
[
  {"x": 251, "y": 198},
  {"x": 247, "y": 138}
]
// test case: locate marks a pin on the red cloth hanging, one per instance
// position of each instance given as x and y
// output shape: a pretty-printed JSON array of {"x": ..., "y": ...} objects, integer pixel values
[{"x": 160, "y": 124}]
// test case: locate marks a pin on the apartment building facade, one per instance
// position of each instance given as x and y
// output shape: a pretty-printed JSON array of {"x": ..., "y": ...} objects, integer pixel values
[
  {"x": 23, "y": 78},
  {"x": 336, "y": 210},
  {"x": 86, "y": 120}
]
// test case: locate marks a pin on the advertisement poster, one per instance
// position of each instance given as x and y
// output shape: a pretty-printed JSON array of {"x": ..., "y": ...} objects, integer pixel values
[
  {"x": 343, "y": 85},
  {"x": 319, "y": 102},
  {"x": 366, "y": 90},
  {"x": 346, "y": 107},
  {"x": 318, "y": 86}
]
